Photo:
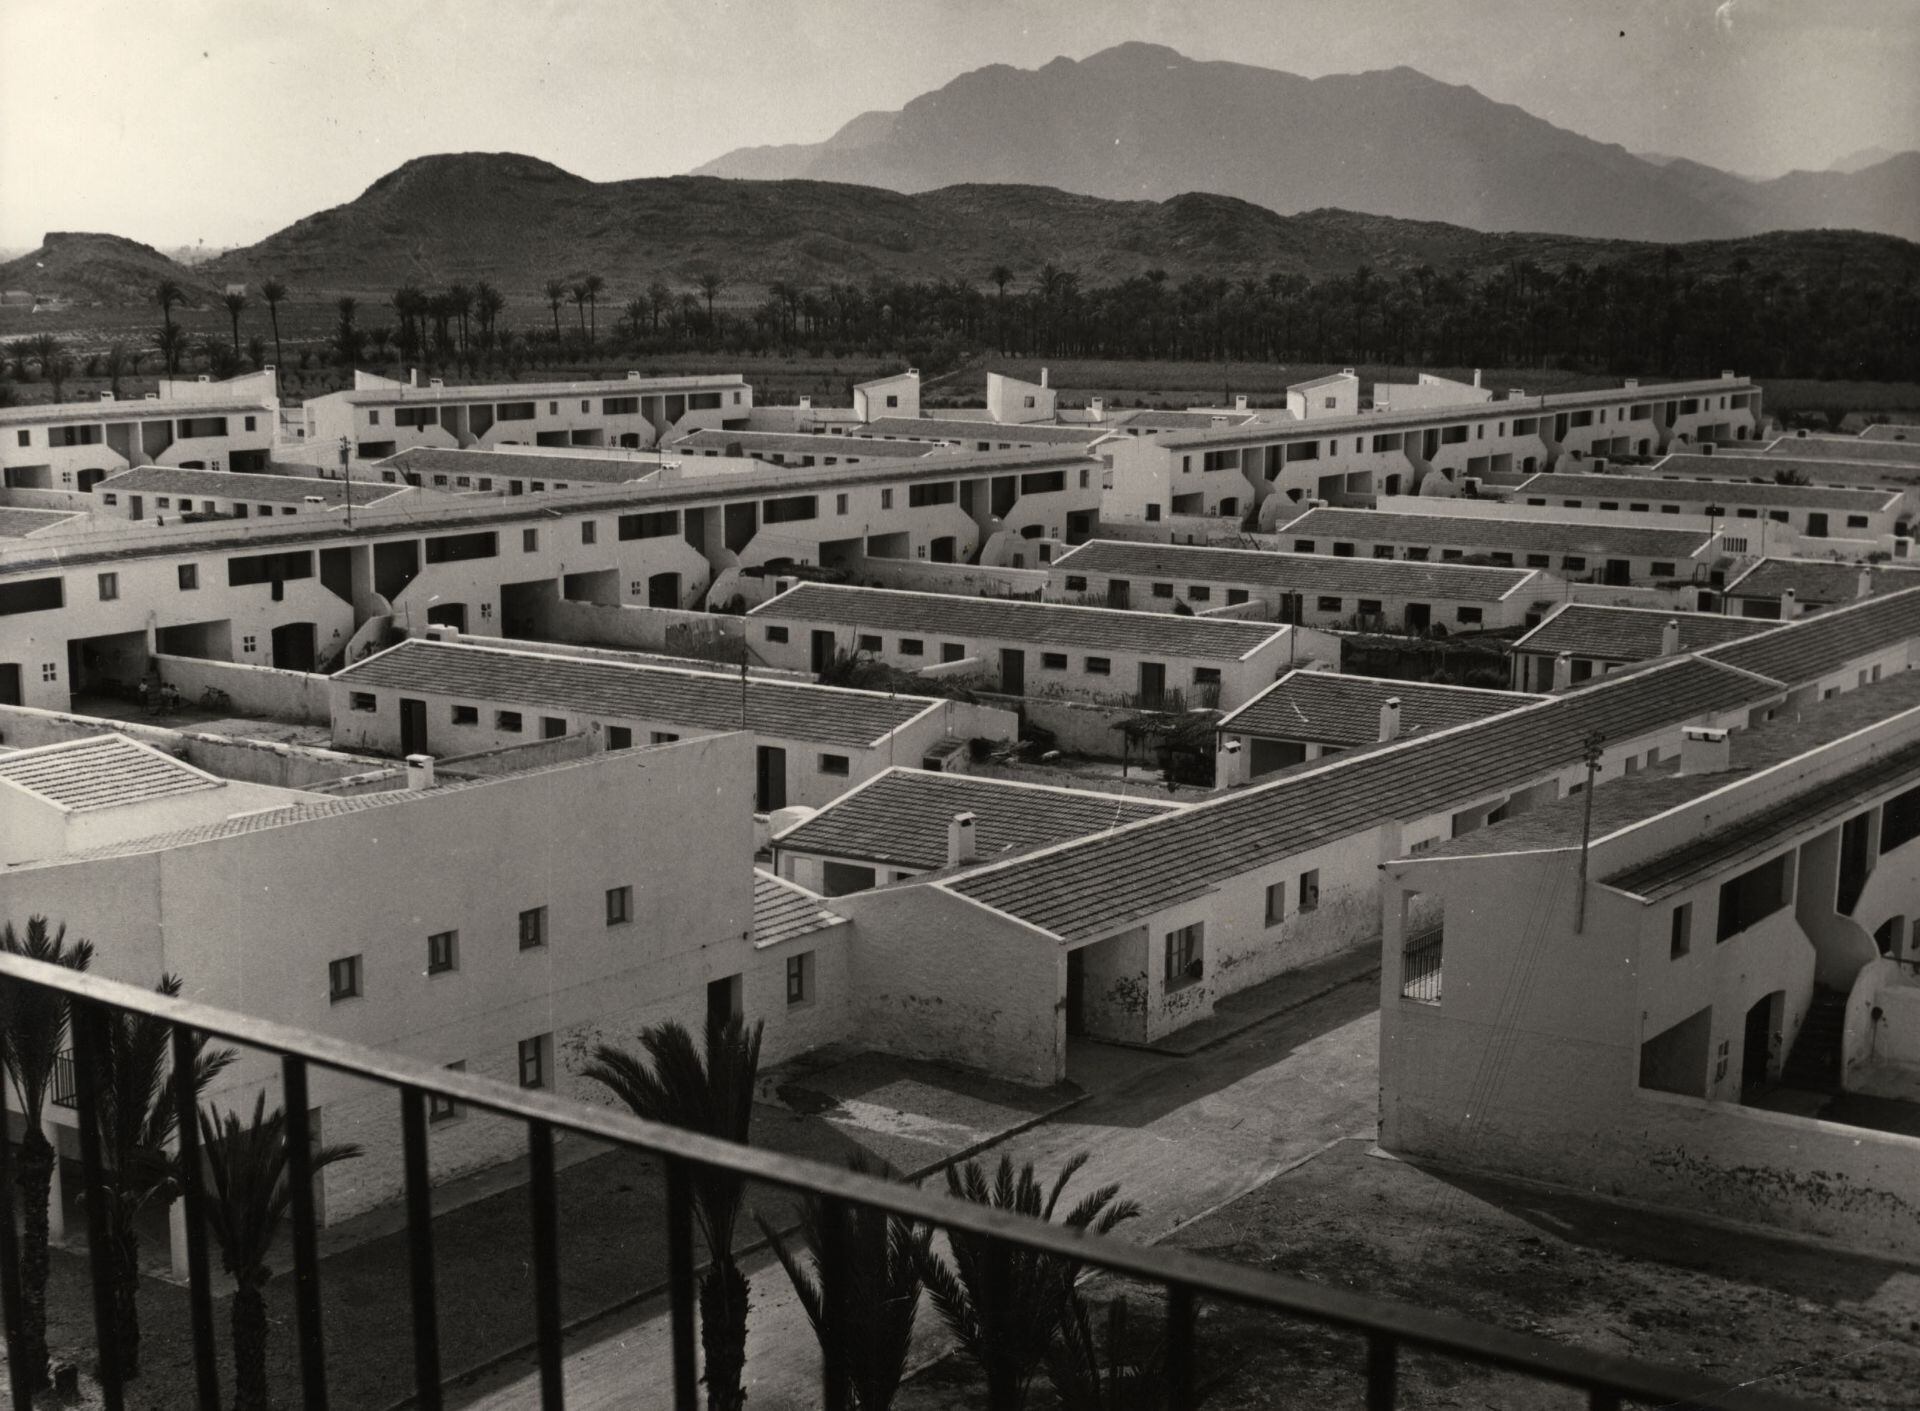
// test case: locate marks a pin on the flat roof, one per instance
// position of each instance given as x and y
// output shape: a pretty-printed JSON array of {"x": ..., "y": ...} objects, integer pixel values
[
  {"x": 18, "y": 523},
  {"x": 1631, "y": 634},
  {"x": 1035, "y": 433},
  {"x": 1020, "y": 620},
  {"x": 240, "y": 485},
  {"x": 1288, "y": 571},
  {"x": 1152, "y": 419},
  {"x": 1497, "y": 531},
  {"x": 1823, "y": 581},
  {"x": 800, "y": 443},
  {"x": 1817, "y": 471},
  {"x": 1809, "y": 647},
  {"x": 131, "y": 409},
  {"x": 101, "y": 771},
  {"x": 1880, "y": 449},
  {"x": 826, "y": 715},
  {"x": 1087, "y": 889},
  {"x": 606, "y": 469},
  {"x": 522, "y": 391},
  {"x": 900, "y": 818},
  {"x": 1889, "y": 432},
  {"x": 1331, "y": 709},
  {"x": 1654, "y": 488},
  {"x": 786, "y": 911}
]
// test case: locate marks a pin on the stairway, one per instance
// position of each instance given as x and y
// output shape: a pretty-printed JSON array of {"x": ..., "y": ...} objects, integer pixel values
[{"x": 1815, "y": 1059}]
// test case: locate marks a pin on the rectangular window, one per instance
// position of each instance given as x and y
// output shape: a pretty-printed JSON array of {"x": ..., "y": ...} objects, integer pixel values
[
  {"x": 776, "y": 634},
  {"x": 886, "y": 499},
  {"x": 1163, "y": 590},
  {"x": 1681, "y": 937},
  {"x": 507, "y": 720},
  {"x": 1468, "y": 617},
  {"x": 1099, "y": 666},
  {"x": 189, "y": 577},
  {"x": 533, "y": 928},
  {"x": 619, "y": 737},
  {"x": 1206, "y": 676},
  {"x": 790, "y": 509},
  {"x": 800, "y": 978},
  {"x": 912, "y": 647},
  {"x": 837, "y": 765},
  {"x": 663, "y": 737},
  {"x": 1076, "y": 583},
  {"x": 589, "y": 531},
  {"x": 529, "y": 540},
  {"x": 1236, "y": 596},
  {"x": 839, "y": 504},
  {"x": 1276, "y": 903},
  {"x": 1153, "y": 512},
  {"x": 443, "y": 952},
  {"x": 1327, "y": 604},
  {"x": 1053, "y": 661},
  {"x": 1310, "y": 890},
  {"x": 109, "y": 587},
  {"x": 1662, "y": 570},
  {"x": 466, "y": 715},
  {"x": 1539, "y": 561},
  {"x": 363, "y": 701},
  {"x": 661, "y": 524},
  {"x": 1856, "y": 521},
  {"x": 533, "y": 1061},
  {"x": 868, "y": 642},
  {"x": 619, "y": 905},
  {"x": 1574, "y": 563},
  {"x": 1199, "y": 594},
  {"x": 26, "y": 438},
  {"x": 1753, "y": 896},
  {"x": 343, "y": 979},
  {"x": 1182, "y": 956},
  {"x": 440, "y": 1107}
]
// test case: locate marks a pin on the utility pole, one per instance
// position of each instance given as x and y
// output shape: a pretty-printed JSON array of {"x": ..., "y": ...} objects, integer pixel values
[
  {"x": 346, "y": 471},
  {"x": 1590, "y": 755}
]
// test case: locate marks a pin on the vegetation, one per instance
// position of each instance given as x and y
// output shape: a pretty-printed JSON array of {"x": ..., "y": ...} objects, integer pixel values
[
  {"x": 33, "y": 1029},
  {"x": 674, "y": 1084}
]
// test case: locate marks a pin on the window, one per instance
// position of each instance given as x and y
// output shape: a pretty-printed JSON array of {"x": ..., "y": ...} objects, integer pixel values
[
  {"x": 663, "y": 737},
  {"x": 912, "y": 647},
  {"x": 1369, "y": 607},
  {"x": 1153, "y": 513},
  {"x": 1328, "y": 604},
  {"x": 507, "y": 720},
  {"x": 440, "y": 1107},
  {"x": 1236, "y": 596},
  {"x": 26, "y": 438},
  {"x": 776, "y": 634},
  {"x": 1163, "y": 590},
  {"x": 867, "y": 642},
  {"x": 1083, "y": 478},
  {"x": 1539, "y": 561},
  {"x": 1681, "y": 935},
  {"x": 589, "y": 531},
  {"x": 109, "y": 587},
  {"x": 110, "y": 497},
  {"x": 533, "y": 1061},
  {"x": 466, "y": 715},
  {"x": 837, "y": 765},
  {"x": 363, "y": 701},
  {"x": 1468, "y": 617},
  {"x": 886, "y": 499},
  {"x": 49, "y": 671},
  {"x": 1310, "y": 890},
  {"x": 619, "y": 905},
  {"x": 1199, "y": 594},
  {"x": 1574, "y": 563},
  {"x": 1662, "y": 570},
  {"x": 533, "y": 928},
  {"x": 800, "y": 978},
  {"x": 189, "y": 574},
  {"x": 529, "y": 540},
  {"x": 1754, "y": 895},
  {"x": 1720, "y": 1060},
  {"x": 619, "y": 737},
  {"x": 1053, "y": 661},
  {"x": 1076, "y": 583},
  {"x": 246, "y": 645},
  {"x": 1206, "y": 676},
  {"x": 1182, "y": 955},
  {"x": 953, "y": 651},
  {"x": 1856, "y": 521},
  {"x": 839, "y": 504},
  {"x": 343, "y": 979},
  {"x": 1276, "y": 903},
  {"x": 1099, "y": 666},
  {"x": 443, "y": 952}
]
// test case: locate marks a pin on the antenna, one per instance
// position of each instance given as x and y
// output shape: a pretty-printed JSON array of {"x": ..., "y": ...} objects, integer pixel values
[{"x": 1590, "y": 755}]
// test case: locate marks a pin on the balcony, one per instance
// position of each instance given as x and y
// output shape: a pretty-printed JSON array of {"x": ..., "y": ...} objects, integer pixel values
[
  {"x": 1389, "y": 1331},
  {"x": 1420, "y": 967}
]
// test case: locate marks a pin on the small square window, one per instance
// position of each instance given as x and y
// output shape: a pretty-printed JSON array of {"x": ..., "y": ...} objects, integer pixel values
[
  {"x": 246, "y": 645},
  {"x": 109, "y": 587},
  {"x": 1206, "y": 676},
  {"x": 870, "y": 643},
  {"x": 363, "y": 701},
  {"x": 440, "y": 1107},
  {"x": 533, "y": 1062},
  {"x": 466, "y": 715},
  {"x": 1099, "y": 666},
  {"x": 1199, "y": 594},
  {"x": 1153, "y": 513},
  {"x": 373, "y": 418},
  {"x": 507, "y": 720},
  {"x": 837, "y": 765},
  {"x": 49, "y": 671},
  {"x": 800, "y": 978},
  {"x": 110, "y": 497},
  {"x": 1276, "y": 903},
  {"x": 189, "y": 574},
  {"x": 533, "y": 928},
  {"x": 443, "y": 952},
  {"x": 1680, "y": 938},
  {"x": 26, "y": 438},
  {"x": 589, "y": 531},
  {"x": 776, "y": 634},
  {"x": 1310, "y": 890},
  {"x": 166, "y": 504},
  {"x": 619, "y": 737},
  {"x": 529, "y": 540},
  {"x": 343, "y": 979},
  {"x": 912, "y": 647},
  {"x": 619, "y": 905},
  {"x": 1053, "y": 661},
  {"x": 1163, "y": 590}
]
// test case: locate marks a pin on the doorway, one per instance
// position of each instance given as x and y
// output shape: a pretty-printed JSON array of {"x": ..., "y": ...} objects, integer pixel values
[
  {"x": 822, "y": 658},
  {"x": 413, "y": 726},
  {"x": 1762, "y": 1037},
  {"x": 293, "y": 646},
  {"x": 769, "y": 779},
  {"x": 1076, "y": 990},
  {"x": 1153, "y": 684},
  {"x": 10, "y": 684},
  {"x": 452, "y": 615},
  {"x": 1816, "y": 526},
  {"x": 1419, "y": 617},
  {"x": 1013, "y": 671},
  {"x": 723, "y": 1000},
  {"x": 663, "y": 590},
  {"x": 941, "y": 550},
  {"x": 1119, "y": 591}
]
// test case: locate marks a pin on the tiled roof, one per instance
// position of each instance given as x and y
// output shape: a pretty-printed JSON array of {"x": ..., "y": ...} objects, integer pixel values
[
  {"x": 524, "y": 391},
  {"x": 1499, "y": 530},
  {"x": 18, "y": 523},
  {"x": 1809, "y": 647},
  {"x": 239, "y": 485},
  {"x": 1345, "y": 710},
  {"x": 799, "y": 443},
  {"x": 1631, "y": 634},
  {"x": 1016, "y": 620},
  {"x": 1306, "y": 573},
  {"x": 610, "y": 690},
  {"x": 1882, "y": 449},
  {"x": 132, "y": 409},
  {"x": 427, "y": 461},
  {"x": 785, "y": 911},
  {"x": 101, "y": 771},
  {"x": 1654, "y": 489},
  {"x": 1823, "y": 581},
  {"x": 1154, "y": 420},
  {"x": 1816, "y": 470},
  {"x": 1088, "y": 889},
  {"x": 959, "y": 429},
  {"x": 900, "y": 817}
]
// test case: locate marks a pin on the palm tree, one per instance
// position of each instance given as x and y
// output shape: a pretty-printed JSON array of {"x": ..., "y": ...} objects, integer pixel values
[
  {"x": 236, "y": 303},
  {"x": 116, "y": 366},
  {"x": 1001, "y": 277},
  {"x": 487, "y": 304},
  {"x": 171, "y": 340},
  {"x": 166, "y": 294},
  {"x": 460, "y": 304},
  {"x": 594, "y": 284},
  {"x": 1004, "y": 1304},
  {"x": 710, "y": 285},
  {"x": 272, "y": 291},
  {"x": 659, "y": 300},
  {"x": 714, "y": 1097},
  {"x": 883, "y": 1254},
  {"x": 636, "y": 312},
  {"x": 579, "y": 293},
  {"x": 247, "y": 1199},
  {"x": 556, "y": 295},
  {"x": 50, "y": 353},
  {"x": 347, "y": 338},
  {"x": 33, "y": 1026},
  {"x": 137, "y": 1119}
]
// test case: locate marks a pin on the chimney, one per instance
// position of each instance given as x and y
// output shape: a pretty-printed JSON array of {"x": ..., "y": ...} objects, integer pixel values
[
  {"x": 1864, "y": 589},
  {"x": 1704, "y": 750},
  {"x": 1476, "y": 377},
  {"x": 1789, "y": 605},
  {"x": 419, "y": 771},
  {"x": 1097, "y": 409},
  {"x": 1631, "y": 384},
  {"x": 960, "y": 842},
  {"x": 1726, "y": 374},
  {"x": 632, "y": 375},
  {"x": 437, "y": 383},
  {"x": 1670, "y": 637},
  {"x": 1346, "y": 372},
  {"x": 106, "y": 396},
  {"x": 1390, "y": 718},
  {"x": 806, "y": 404},
  {"x": 1043, "y": 377},
  {"x": 1240, "y": 403},
  {"x": 413, "y": 377},
  {"x": 1563, "y": 671},
  {"x": 1515, "y": 394}
]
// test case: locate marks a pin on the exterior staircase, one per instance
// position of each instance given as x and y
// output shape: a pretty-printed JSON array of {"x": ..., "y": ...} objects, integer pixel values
[{"x": 1815, "y": 1060}]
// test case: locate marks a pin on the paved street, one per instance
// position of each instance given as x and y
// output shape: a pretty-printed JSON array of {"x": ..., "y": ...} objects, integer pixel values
[{"x": 1180, "y": 1135}]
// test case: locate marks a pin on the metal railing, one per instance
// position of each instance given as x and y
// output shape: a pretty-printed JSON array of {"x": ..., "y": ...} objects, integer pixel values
[
  {"x": 1420, "y": 967},
  {"x": 64, "y": 1093},
  {"x": 1389, "y": 1329}
]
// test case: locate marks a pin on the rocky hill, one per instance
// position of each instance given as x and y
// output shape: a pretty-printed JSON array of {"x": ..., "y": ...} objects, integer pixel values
[{"x": 90, "y": 268}]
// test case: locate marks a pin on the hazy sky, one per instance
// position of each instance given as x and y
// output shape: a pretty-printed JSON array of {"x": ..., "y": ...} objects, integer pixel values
[{"x": 224, "y": 120}]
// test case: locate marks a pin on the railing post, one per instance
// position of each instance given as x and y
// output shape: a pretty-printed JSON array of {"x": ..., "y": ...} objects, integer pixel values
[
  {"x": 306, "y": 1252},
  {"x": 206, "y": 1374},
  {"x": 89, "y": 1053},
  {"x": 1179, "y": 1347},
  {"x": 1383, "y": 1371},
  {"x": 419, "y": 1177},
  {"x": 680, "y": 1291},
  {"x": 22, "y": 1397},
  {"x": 543, "y": 1199},
  {"x": 836, "y": 1276}
]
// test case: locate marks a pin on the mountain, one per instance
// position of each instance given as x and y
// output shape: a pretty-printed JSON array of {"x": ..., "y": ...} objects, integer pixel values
[
  {"x": 1143, "y": 121},
  {"x": 1862, "y": 159},
  {"x": 517, "y": 222},
  {"x": 87, "y": 268}
]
